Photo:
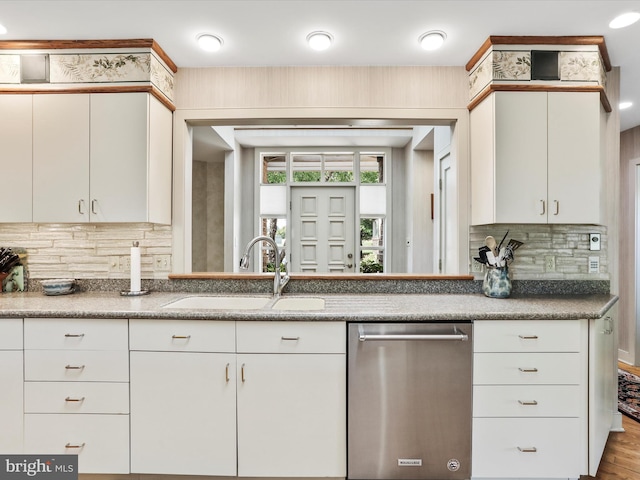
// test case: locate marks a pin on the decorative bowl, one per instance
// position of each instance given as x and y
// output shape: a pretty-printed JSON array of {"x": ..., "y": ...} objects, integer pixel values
[{"x": 58, "y": 286}]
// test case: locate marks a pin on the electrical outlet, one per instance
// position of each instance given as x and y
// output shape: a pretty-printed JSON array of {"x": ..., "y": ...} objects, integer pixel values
[
  {"x": 124, "y": 263},
  {"x": 476, "y": 267},
  {"x": 549, "y": 263},
  {"x": 162, "y": 263}
]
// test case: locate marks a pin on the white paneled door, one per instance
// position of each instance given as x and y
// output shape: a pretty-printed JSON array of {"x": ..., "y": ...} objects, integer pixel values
[{"x": 323, "y": 230}]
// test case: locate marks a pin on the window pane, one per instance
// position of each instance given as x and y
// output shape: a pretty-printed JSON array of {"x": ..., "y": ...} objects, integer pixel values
[
  {"x": 371, "y": 168},
  {"x": 275, "y": 228},
  {"x": 338, "y": 167},
  {"x": 372, "y": 232},
  {"x": 306, "y": 167},
  {"x": 274, "y": 168},
  {"x": 371, "y": 261}
]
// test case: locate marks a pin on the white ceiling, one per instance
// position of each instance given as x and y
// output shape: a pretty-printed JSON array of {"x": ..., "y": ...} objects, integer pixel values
[{"x": 366, "y": 32}]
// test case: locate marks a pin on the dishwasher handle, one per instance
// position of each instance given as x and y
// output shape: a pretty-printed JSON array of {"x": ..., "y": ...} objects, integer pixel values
[{"x": 460, "y": 336}]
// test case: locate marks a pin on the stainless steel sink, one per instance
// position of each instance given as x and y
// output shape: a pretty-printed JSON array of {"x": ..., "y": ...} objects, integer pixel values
[
  {"x": 220, "y": 303},
  {"x": 299, "y": 303}
]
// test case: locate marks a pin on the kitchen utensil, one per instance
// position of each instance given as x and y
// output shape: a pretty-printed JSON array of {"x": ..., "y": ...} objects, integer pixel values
[
  {"x": 502, "y": 241},
  {"x": 482, "y": 253},
  {"x": 8, "y": 260},
  {"x": 514, "y": 244},
  {"x": 491, "y": 243}
]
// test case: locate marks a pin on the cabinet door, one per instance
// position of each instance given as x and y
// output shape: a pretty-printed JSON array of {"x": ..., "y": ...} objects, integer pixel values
[
  {"x": 119, "y": 157},
  {"x": 603, "y": 384},
  {"x": 11, "y": 400},
  {"x": 183, "y": 413},
  {"x": 291, "y": 415},
  {"x": 574, "y": 158},
  {"x": 61, "y": 158},
  {"x": 520, "y": 157},
  {"x": 16, "y": 132},
  {"x": 160, "y": 161}
]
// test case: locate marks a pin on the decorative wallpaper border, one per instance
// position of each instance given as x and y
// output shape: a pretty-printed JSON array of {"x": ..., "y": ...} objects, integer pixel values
[
  {"x": 85, "y": 67},
  {"x": 506, "y": 66}
]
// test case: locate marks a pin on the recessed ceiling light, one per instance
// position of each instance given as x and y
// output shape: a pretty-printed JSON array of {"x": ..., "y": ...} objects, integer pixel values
[
  {"x": 209, "y": 42},
  {"x": 432, "y": 40},
  {"x": 625, "y": 105},
  {"x": 319, "y": 40},
  {"x": 624, "y": 20},
  {"x": 3, "y": 30}
]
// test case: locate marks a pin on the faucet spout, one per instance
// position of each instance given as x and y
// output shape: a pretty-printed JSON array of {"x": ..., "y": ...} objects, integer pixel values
[{"x": 279, "y": 281}]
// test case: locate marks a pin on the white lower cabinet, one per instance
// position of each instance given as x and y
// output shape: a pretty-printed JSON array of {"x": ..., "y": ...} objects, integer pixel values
[
  {"x": 291, "y": 415},
  {"x": 11, "y": 379},
  {"x": 183, "y": 418},
  {"x": 530, "y": 383},
  {"x": 282, "y": 389},
  {"x": 183, "y": 397},
  {"x": 76, "y": 391}
]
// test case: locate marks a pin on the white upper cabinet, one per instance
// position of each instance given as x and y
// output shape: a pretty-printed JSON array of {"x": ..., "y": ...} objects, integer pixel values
[
  {"x": 101, "y": 158},
  {"x": 15, "y": 156},
  {"x": 61, "y": 158},
  {"x": 536, "y": 158}
]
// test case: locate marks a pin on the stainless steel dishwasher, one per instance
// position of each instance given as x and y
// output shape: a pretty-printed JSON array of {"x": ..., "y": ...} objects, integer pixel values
[{"x": 409, "y": 401}]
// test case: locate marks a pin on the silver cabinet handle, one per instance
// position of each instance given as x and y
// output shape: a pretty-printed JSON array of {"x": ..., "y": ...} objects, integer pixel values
[
  {"x": 543, "y": 207},
  {"x": 74, "y": 335},
  {"x": 81, "y": 207},
  {"x": 74, "y": 367},
  {"x": 242, "y": 373},
  {"x": 528, "y": 370},
  {"x": 528, "y": 337},
  {"x": 556, "y": 203},
  {"x": 527, "y": 402},
  {"x": 291, "y": 339},
  {"x": 70, "y": 445},
  {"x": 181, "y": 337},
  {"x": 71, "y": 399},
  {"x": 226, "y": 373},
  {"x": 93, "y": 206},
  {"x": 527, "y": 449}
]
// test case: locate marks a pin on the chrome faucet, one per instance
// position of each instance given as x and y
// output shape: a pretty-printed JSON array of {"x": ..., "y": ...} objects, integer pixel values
[{"x": 279, "y": 281}]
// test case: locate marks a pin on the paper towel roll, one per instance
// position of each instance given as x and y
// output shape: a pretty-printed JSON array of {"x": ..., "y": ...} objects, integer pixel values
[{"x": 135, "y": 268}]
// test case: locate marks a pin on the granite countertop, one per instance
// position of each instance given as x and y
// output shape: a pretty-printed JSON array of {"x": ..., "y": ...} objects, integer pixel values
[{"x": 361, "y": 308}]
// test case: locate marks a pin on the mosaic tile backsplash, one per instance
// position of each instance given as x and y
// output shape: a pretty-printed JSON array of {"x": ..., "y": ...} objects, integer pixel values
[
  {"x": 89, "y": 251},
  {"x": 568, "y": 244}
]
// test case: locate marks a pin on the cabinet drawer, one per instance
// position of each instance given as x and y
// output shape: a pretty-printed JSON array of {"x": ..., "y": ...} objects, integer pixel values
[
  {"x": 291, "y": 337},
  {"x": 527, "y": 401},
  {"x": 551, "y": 447},
  {"x": 76, "y": 366},
  {"x": 10, "y": 334},
  {"x": 75, "y": 334},
  {"x": 76, "y": 397},
  {"x": 527, "y": 336},
  {"x": 100, "y": 441},
  {"x": 527, "y": 368},
  {"x": 183, "y": 335}
]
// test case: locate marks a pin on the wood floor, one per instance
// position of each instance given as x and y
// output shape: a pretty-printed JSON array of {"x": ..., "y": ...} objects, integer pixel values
[{"x": 621, "y": 458}]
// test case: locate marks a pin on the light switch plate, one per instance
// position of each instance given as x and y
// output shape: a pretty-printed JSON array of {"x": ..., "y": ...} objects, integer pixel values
[
  {"x": 594, "y": 264},
  {"x": 594, "y": 241}
]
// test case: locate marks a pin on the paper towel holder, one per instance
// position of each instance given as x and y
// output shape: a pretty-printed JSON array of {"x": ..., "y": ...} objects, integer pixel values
[{"x": 134, "y": 293}]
